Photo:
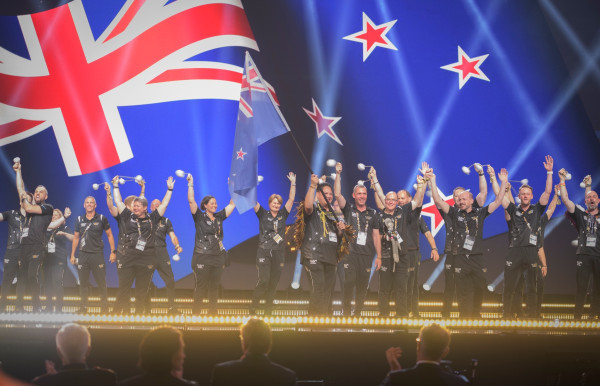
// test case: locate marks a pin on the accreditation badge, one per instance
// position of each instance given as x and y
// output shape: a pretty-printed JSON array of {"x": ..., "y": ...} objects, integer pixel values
[
  {"x": 533, "y": 239},
  {"x": 333, "y": 237},
  {"x": 361, "y": 238},
  {"x": 277, "y": 238},
  {"x": 51, "y": 247},
  {"x": 24, "y": 233},
  {"x": 141, "y": 244},
  {"x": 590, "y": 241},
  {"x": 469, "y": 242}
]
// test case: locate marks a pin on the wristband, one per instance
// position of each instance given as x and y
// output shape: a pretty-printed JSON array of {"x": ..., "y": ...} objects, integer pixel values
[
  {"x": 588, "y": 185},
  {"x": 177, "y": 246},
  {"x": 480, "y": 174},
  {"x": 170, "y": 190},
  {"x": 114, "y": 251},
  {"x": 313, "y": 186},
  {"x": 434, "y": 249},
  {"x": 550, "y": 172},
  {"x": 293, "y": 184},
  {"x": 115, "y": 187}
]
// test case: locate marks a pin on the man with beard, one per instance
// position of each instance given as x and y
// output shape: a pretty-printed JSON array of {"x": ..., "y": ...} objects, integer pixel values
[
  {"x": 587, "y": 223},
  {"x": 358, "y": 263}
]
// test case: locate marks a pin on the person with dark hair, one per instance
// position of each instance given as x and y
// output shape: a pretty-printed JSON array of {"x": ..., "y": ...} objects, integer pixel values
[
  {"x": 254, "y": 368},
  {"x": 587, "y": 224},
  {"x": 15, "y": 220},
  {"x": 73, "y": 344},
  {"x": 210, "y": 257},
  {"x": 33, "y": 240},
  {"x": 88, "y": 236},
  {"x": 139, "y": 258},
  {"x": 433, "y": 344},
  {"x": 55, "y": 261},
  {"x": 270, "y": 256},
  {"x": 358, "y": 263},
  {"x": 525, "y": 227},
  {"x": 162, "y": 353}
]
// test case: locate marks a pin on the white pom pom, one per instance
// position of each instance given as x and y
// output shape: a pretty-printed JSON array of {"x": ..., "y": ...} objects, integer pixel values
[
  {"x": 176, "y": 257},
  {"x": 582, "y": 185},
  {"x": 478, "y": 167},
  {"x": 361, "y": 183},
  {"x": 95, "y": 186},
  {"x": 466, "y": 170},
  {"x": 361, "y": 167},
  {"x": 524, "y": 181},
  {"x": 415, "y": 186},
  {"x": 517, "y": 200},
  {"x": 121, "y": 181},
  {"x": 568, "y": 176},
  {"x": 180, "y": 173},
  {"x": 260, "y": 178},
  {"x": 138, "y": 178},
  {"x": 321, "y": 181},
  {"x": 428, "y": 193},
  {"x": 331, "y": 163},
  {"x": 17, "y": 160},
  {"x": 575, "y": 242}
]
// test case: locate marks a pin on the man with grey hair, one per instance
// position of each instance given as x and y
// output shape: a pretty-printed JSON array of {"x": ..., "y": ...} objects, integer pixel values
[
  {"x": 73, "y": 344},
  {"x": 88, "y": 236}
]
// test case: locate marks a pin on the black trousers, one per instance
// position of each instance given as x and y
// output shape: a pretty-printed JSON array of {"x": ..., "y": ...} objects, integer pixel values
[
  {"x": 393, "y": 277},
  {"x": 92, "y": 262},
  {"x": 414, "y": 259},
  {"x": 521, "y": 261},
  {"x": 165, "y": 271},
  {"x": 269, "y": 263},
  {"x": 357, "y": 270},
  {"x": 516, "y": 308},
  {"x": 449, "y": 285},
  {"x": 9, "y": 273},
  {"x": 588, "y": 267},
  {"x": 136, "y": 268},
  {"x": 54, "y": 272},
  {"x": 28, "y": 276},
  {"x": 322, "y": 277},
  {"x": 469, "y": 271}
]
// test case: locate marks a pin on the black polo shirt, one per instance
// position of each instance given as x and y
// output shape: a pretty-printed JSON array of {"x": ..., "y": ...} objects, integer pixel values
[
  {"x": 62, "y": 245},
  {"x": 468, "y": 224},
  {"x": 136, "y": 229},
  {"x": 36, "y": 225},
  {"x": 90, "y": 232},
  {"x": 209, "y": 233},
  {"x": 363, "y": 223},
  {"x": 449, "y": 231},
  {"x": 320, "y": 237},
  {"x": 15, "y": 221},
  {"x": 397, "y": 225},
  {"x": 416, "y": 226},
  {"x": 271, "y": 229},
  {"x": 525, "y": 224},
  {"x": 588, "y": 226},
  {"x": 163, "y": 228}
]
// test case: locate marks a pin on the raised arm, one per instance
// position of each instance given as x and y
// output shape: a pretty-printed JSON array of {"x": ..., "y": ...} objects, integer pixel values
[
  {"x": 292, "y": 196},
  {"x": 109, "y": 201},
  {"x": 337, "y": 186},
  {"x": 117, "y": 194},
  {"x": 503, "y": 177},
  {"x": 191, "y": 200},
  {"x": 587, "y": 181},
  {"x": 142, "y": 183},
  {"x": 421, "y": 185},
  {"x": 500, "y": 197},
  {"x": 19, "y": 179},
  {"x": 439, "y": 202},
  {"x": 376, "y": 185},
  {"x": 309, "y": 199},
  {"x": 570, "y": 205},
  {"x": 167, "y": 198},
  {"x": 548, "y": 165},
  {"x": 175, "y": 242},
  {"x": 229, "y": 208},
  {"x": 483, "y": 190},
  {"x": 554, "y": 202}
]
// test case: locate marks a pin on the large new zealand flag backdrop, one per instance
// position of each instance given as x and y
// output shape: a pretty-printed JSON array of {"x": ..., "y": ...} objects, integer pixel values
[{"x": 90, "y": 90}]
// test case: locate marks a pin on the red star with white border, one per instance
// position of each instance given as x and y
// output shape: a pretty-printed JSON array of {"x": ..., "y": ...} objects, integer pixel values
[
  {"x": 467, "y": 67},
  {"x": 240, "y": 154},
  {"x": 373, "y": 36},
  {"x": 431, "y": 210},
  {"x": 324, "y": 125}
]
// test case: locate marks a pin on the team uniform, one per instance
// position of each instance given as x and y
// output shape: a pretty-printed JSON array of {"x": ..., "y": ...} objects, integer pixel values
[
  {"x": 58, "y": 251},
  {"x": 91, "y": 256},
  {"x": 524, "y": 232},
  {"x": 469, "y": 265},
  {"x": 15, "y": 220},
  {"x": 414, "y": 258},
  {"x": 319, "y": 257},
  {"x": 163, "y": 260},
  {"x": 138, "y": 259},
  {"x": 449, "y": 280},
  {"x": 270, "y": 256},
  {"x": 209, "y": 258},
  {"x": 395, "y": 263},
  {"x": 33, "y": 247},
  {"x": 358, "y": 263},
  {"x": 588, "y": 259}
]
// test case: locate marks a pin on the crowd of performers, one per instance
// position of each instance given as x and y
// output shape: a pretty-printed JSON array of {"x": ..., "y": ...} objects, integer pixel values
[{"x": 331, "y": 235}]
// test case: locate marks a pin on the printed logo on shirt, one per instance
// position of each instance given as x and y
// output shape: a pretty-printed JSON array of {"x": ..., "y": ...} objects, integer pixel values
[
  {"x": 200, "y": 266},
  {"x": 457, "y": 270},
  {"x": 346, "y": 265},
  {"x": 100, "y": 266},
  {"x": 579, "y": 263},
  {"x": 508, "y": 263},
  {"x": 6, "y": 261},
  {"x": 313, "y": 261},
  {"x": 448, "y": 266},
  {"x": 261, "y": 260}
]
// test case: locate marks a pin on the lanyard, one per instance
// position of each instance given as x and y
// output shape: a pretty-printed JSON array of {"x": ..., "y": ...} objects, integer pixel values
[
  {"x": 140, "y": 228},
  {"x": 358, "y": 213},
  {"x": 86, "y": 228},
  {"x": 476, "y": 218},
  {"x": 591, "y": 224}
]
